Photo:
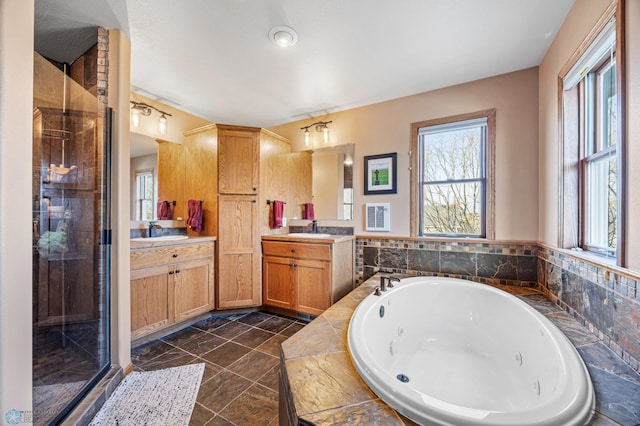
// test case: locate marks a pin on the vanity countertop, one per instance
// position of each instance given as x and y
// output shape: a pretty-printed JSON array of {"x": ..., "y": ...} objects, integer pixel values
[
  {"x": 151, "y": 243},
  {"x": 300, "y": 237}
]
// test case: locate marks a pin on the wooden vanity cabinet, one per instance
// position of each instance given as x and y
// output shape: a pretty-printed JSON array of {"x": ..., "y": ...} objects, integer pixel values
[
  {"x": 170, "y": 284},
  {"x": 306, "y": 277}
]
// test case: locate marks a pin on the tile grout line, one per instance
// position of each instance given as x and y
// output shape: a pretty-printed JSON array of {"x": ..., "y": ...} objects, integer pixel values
[{"x": 271, "y": 334}]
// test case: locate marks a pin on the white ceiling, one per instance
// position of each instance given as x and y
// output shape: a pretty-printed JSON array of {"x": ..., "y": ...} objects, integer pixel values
[{"x": 214, "y": 59}]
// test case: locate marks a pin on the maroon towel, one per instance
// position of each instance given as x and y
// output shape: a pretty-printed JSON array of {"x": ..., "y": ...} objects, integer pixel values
[
  {"x": 194, "y": 221},
  {"x": 278, "y": 211},
  {"x": 308, "y": 212},
  {"x": 164, "y": 210}
]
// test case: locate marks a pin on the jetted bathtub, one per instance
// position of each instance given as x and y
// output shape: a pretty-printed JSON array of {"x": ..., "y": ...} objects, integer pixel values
[{"x": 453, "y": 352}]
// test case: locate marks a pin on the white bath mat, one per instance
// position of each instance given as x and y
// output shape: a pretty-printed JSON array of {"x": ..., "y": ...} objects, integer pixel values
[{"x": 153, "y": 398}]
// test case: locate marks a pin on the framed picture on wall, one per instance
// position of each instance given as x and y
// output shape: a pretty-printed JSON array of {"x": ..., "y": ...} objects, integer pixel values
[{"x": 380, "y": 174}]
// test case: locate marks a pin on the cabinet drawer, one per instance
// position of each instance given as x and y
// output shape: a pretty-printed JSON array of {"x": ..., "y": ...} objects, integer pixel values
[
  {"x": 297, "y": 250},
  {"x": 145, "y": 258}
]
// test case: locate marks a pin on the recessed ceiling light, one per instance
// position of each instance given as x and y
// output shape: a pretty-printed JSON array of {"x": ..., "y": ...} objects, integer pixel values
[{"x": 283, "y": 36}]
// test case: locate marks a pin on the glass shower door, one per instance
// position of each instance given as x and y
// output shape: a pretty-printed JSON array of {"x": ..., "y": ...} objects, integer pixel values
[{"x": 70, "y": 265}]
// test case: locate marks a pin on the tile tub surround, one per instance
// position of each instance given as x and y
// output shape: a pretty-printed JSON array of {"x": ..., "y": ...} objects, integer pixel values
[
  {"x": 605, "y": 300},
  {"x": 320, "y": 386},
  {"x": 514, "y": 263},
  {"x": 578, "y": 286}
]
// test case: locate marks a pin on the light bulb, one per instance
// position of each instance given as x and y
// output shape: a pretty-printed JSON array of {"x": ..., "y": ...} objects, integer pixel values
[
  {"x": 325, "y": 132},
  {"x": 162, "y": 125},
  {"x": 283, "y": 36},
  {"x": 283, "y": 39},
  {"x": 135, "y": 117},
  {"x": 306, "y": 137}
]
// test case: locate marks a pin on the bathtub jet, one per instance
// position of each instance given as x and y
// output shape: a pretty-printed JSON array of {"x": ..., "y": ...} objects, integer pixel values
[{"x": 454, "y": 352}]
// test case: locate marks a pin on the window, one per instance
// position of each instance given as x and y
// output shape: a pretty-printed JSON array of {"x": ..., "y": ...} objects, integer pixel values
[
  {"x": 590, "y": 192},
  {"x": 347, "y": 195},
  {"x": 451, "y": 186},
  {"x": 144, "y": 194}
]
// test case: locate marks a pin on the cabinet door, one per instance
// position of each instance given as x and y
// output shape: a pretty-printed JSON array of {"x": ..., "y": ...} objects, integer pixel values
[
  {"x": 151, "y": 293},
  {"x": 193, "y": 292},
  {"x": 313, "y": 286},
  {"x": 277, "y": 277},
  {"x": 239, "y": 261},
  {"x": 238, "y": 155}
]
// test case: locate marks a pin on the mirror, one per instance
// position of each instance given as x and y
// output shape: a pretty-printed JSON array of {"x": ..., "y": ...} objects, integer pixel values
[
  {"x": 332, "y": 182},
  {"x": 144, "y": 177}
]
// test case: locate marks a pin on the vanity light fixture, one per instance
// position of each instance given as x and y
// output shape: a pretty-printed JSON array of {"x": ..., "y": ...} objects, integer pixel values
[
  {"x": 283, "y": 36},
  {"x": 139, "y": 109},
  {"x": 320, "y": 126}
]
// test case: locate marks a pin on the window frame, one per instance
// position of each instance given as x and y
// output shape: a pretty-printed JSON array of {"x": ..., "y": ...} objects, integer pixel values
[
  {"x": 572, "y": 128},
  {"x": 488, "y": 190}
]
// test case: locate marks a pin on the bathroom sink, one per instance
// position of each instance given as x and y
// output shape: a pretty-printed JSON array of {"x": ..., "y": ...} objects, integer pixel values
[
  {"x": 308, "y": 235},
  {"x": 163, "y": 238}
]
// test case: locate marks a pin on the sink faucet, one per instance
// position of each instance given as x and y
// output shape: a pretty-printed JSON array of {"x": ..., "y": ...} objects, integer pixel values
[
  {"x": 314, "y": 226},
  {"x": 153, "y": 226}
]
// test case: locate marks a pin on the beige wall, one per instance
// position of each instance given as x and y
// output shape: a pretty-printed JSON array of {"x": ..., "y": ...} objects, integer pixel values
[
  {"x": 119, "y": 90},
  {"x": 385, "y": 127},
  {"x": 633, "y": 134},
  {"x": 579, "y": 22},
  {"x": 16, "y": 122}
]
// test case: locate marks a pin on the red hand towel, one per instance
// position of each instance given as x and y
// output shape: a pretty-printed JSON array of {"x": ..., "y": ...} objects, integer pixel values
[
  {"x": 308, "y": 211},
  {"x": 160, "y": 210},
  {"x": 164, "y": 211},
  {"x": 195, "y": 215},
  {"x": 278, "y": 211}
]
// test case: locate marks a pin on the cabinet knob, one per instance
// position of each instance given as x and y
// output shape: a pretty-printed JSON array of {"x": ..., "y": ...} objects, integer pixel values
[
  {"x": 177, "y": 271},
  {"x": 175, "y": 254},
  {"x": 291, "y": 265},
  {"x": 255, "y": 189},
  {"x": 170, "y": 272},
  {"x": 293, "y": 250}
]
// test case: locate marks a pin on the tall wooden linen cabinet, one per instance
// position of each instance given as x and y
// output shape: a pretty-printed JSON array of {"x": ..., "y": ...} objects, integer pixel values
[
  {"x": 234, "y": 170},
  {"x": 238, "y": 247}
]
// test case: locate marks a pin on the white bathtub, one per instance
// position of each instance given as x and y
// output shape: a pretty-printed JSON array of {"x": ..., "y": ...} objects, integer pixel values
[{"x": 472, "y": 354}]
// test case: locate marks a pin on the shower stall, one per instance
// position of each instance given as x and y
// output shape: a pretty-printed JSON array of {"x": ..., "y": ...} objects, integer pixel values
[{"x": 70, "y": 236}]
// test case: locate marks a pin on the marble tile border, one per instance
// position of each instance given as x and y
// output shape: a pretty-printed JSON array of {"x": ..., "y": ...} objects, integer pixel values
[
  {"x": 309, "y": 374},
  {"x": 511, "y": 263}
]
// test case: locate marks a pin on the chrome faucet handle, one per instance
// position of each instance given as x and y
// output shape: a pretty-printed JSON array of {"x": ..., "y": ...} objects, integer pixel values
[
  {"x": 377, "y": 291},
  {"x": 390, "y": 280}
]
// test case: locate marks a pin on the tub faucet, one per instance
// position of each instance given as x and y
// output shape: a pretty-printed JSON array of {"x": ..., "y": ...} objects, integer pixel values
[
  {"x": 386, "y": 282},
  {"x": 153, "y": 226}
]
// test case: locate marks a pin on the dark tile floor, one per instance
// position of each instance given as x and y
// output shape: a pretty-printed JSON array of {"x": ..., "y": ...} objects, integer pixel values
[
  {"x": 64, "y": 360},
  {"x": 241, "y": 356}
]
